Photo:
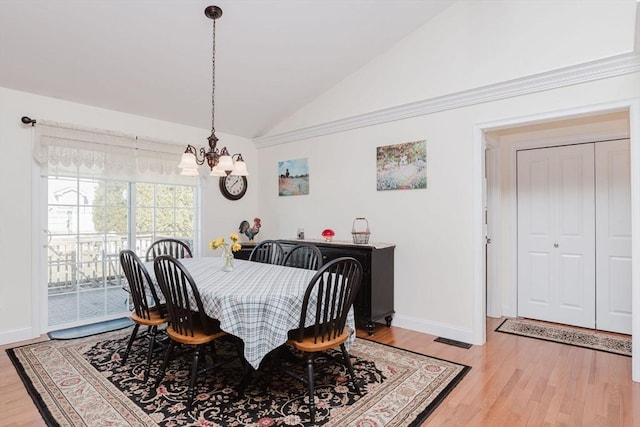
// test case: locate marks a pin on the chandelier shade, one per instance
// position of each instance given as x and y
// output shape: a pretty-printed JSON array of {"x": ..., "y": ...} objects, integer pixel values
[{"x": 219, "y": 160}]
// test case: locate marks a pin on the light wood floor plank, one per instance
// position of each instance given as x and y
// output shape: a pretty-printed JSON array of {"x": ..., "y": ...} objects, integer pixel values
[{"x": 16, "y": 407}]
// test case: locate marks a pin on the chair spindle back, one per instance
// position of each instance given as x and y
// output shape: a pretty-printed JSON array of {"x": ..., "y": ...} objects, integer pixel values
[
  {"x": 184, "y": 304},
  {"x": 268, "y": 252},
  {"x": 328, "y": 299},
  {"x": 174, "y": 247},
  {"x": 139, "y": 284},
  {"x": 304, "y": 256}
]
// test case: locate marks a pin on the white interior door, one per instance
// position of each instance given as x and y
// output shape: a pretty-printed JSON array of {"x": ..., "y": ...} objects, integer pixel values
[
  {"x": 613, "y": 236},
  {"x": 556, "y": 229}
]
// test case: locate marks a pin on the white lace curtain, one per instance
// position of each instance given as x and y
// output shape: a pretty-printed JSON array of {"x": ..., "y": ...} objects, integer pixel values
[{"x": 62, "y": 149}]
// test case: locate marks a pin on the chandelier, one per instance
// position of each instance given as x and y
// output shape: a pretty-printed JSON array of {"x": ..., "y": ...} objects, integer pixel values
[{"x": 220, "y": 162}]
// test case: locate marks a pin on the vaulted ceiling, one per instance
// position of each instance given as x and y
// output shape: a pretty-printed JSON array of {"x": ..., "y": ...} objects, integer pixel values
[{"x": 153, "y": 57}]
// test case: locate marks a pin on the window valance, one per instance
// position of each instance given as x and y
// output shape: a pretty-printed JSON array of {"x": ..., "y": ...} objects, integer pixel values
[{"x": 62, "y": 149}]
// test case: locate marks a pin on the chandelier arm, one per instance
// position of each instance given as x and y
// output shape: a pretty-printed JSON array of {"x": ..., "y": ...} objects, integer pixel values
[
  {"x": 199, "y": 159},
  {"x": 193, "y": 150}
]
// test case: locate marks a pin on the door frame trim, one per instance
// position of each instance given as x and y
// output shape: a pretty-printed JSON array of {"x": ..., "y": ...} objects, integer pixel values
[
  {"x": 632, "y": 107},
  {"x": 493, "y": 178}
]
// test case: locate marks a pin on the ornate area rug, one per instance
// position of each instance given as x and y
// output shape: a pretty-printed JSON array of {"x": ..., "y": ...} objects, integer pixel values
[
  {"x": 593, "y": 339},
  {"x": 83, "y": 382}
]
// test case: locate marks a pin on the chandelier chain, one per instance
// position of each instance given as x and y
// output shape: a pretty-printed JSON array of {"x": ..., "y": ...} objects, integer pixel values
[{"x": 213, "y": 79}]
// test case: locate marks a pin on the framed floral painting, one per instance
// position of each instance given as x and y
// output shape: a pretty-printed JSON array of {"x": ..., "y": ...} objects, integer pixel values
[{"x": 402, "y": 166}]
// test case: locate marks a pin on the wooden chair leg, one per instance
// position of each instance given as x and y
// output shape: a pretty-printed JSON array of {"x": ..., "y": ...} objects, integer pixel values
[
  {"x": 347, "y": 361},
  {"x": 194, "y": 374},
  {"x": 165, "y": 362},
  {"x": 152, "y": 341},
  {"x": 133, "y": 337},
  {"x": 312, "y": 405}
]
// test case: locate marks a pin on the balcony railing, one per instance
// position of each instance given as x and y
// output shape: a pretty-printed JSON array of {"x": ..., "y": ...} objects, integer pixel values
[{"x": 89, "y": 263}]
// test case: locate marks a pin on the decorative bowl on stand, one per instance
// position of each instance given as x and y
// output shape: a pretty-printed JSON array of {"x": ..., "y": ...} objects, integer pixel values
[{"x": 328, "y": 234}]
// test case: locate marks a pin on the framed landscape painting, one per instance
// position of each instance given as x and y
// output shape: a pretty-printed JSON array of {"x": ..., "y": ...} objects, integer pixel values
[
  {"x": 402, "y": 166},
  {"x": 293, "y": 177}
]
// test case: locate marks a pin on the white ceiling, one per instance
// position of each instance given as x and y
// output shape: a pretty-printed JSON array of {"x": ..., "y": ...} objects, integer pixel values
[{"x": 153, "y": 57}]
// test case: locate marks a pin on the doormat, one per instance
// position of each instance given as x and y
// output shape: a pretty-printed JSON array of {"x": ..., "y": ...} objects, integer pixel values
[
  {"x": 87, "y": 330},
  {"x": 587, "y": 338},
  {"x": 84, "y": 382}
]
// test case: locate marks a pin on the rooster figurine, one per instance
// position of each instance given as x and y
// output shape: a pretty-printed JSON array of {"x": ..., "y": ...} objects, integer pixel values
[{"x": 248, "y": 231}]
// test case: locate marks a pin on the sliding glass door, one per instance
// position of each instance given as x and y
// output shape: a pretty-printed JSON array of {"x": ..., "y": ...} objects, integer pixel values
[{"x": 89, "y": 222}]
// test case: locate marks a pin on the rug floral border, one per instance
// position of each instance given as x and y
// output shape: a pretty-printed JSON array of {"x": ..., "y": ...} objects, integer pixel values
[{"x": 593, "y": 340}]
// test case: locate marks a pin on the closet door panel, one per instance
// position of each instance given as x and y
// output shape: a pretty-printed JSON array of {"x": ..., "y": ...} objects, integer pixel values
[
  {"x": 613, "y": 236},
  {"x": 556, "y": 249}
]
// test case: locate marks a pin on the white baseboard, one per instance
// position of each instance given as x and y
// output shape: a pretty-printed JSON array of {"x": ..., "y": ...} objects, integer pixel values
[
  {"x": 16, "y": 335},
  {"x": 507, "y": 311},
  {"x": 433, "y": 328}
]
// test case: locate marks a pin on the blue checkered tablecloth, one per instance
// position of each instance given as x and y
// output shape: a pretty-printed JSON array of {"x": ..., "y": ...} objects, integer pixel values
[{"x": 256, "y": 302}]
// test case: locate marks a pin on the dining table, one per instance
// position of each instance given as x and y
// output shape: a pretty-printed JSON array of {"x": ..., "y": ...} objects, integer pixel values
[{"x": 256, "y": 302}]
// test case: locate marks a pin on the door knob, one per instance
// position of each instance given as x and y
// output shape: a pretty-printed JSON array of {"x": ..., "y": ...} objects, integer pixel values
[{"x": 555, "y": 245}]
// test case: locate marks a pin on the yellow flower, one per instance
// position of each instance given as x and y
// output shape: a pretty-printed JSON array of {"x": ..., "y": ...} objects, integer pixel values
[{"x": 235, "y": 246}]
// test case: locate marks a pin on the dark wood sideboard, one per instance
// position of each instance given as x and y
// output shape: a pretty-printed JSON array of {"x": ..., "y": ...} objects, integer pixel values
[{"x": 375, "y": 298}]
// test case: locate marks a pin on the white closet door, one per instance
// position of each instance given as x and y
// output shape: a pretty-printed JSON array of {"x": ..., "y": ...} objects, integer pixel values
[
  {"x": 556, "y": 228},
  {"x": 613, "y": 236}
]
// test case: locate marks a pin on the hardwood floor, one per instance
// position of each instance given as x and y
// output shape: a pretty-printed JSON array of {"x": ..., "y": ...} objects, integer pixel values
[
  {"x": 16, "y": 407},
  {"x": 518, "y": 381},
  {"x": 514, "y": 381}
]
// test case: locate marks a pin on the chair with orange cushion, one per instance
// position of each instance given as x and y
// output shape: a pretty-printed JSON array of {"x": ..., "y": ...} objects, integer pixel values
[
  {"x": 327, "y": 301},
  {"x": 189, "y": 325},
  {"x": 147, "y": 310}
]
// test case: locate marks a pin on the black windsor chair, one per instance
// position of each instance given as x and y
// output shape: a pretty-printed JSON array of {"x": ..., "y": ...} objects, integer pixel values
[
  {"x": 147, "y": 310},
  {"x": 268, "y": 252},
  {"x": 304, "y": 256},
  {"x": 174, "y": 247},
  {"x": 334, "y": 288},
  {"x": 189, "y": 325}
]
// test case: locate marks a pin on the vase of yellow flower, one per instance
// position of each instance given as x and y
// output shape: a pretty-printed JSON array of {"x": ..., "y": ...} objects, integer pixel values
[{"x": 227, "y": 250}]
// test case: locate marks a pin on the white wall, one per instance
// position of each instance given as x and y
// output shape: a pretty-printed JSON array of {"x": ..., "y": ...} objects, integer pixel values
[
  {"x": 432, "y": 228},
  {"x": 486, "y": 42},
  {"x": 478, "y": 43},
  {"x": 470, "y": 44},
  {"x": 19, "y": 235}
]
